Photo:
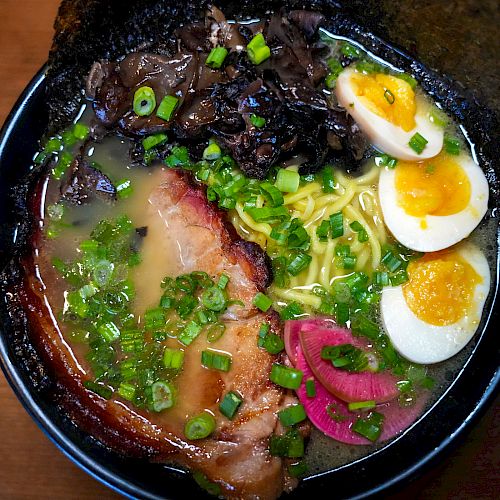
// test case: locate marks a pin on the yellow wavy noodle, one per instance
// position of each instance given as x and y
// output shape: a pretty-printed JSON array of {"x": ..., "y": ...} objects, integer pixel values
[{"x": 357, "y": 199}]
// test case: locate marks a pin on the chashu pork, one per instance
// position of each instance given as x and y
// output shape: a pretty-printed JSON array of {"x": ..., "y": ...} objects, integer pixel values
[{"x": 185, "y": 232}]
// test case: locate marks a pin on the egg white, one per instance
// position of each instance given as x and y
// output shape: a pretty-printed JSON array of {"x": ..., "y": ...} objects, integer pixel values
[
  {"x": 421, "y": 342},
  {"x": 383, "y": 134},
  {"x": 440, "y": 231}
]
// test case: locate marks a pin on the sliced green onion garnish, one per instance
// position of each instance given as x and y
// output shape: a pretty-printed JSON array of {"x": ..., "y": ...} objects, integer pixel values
[
  {"x": 369, "y": 427},
  {"x": 216, "y": 361},
  {"x": 399, "y": 277},
  {"x": 215, "y": 332},
  {"x": 124, "y": 188},
  {"x": 451, "y": 145},
  {"x": 350, "y": 50},
  {"x": 272, "y": 194},
  {"x": 310, "y": 388},
  {"x": 153, "y": 141},
  {"x": 101, "y": 390},
  {"x": 337, "y": 225},
  {"x": 167, "y": 107},
  {"x": 63, "y": 163},
  {"x": 292, "y": 415},
  {"x": 418, "y": 143},
  {"x": 269, "y": 214},
  {"x": 385, "y": 161},
  {"x": 367, "y": 66},
  {"x": 126, "y": 391},
  {"x": 53, "y": 145},
  {"x": 391, "y": 261},
  {"x": 223, "y": 281},
  {"x": 212, "y": 152},
  {"x": 289, "y": 445},
  {"x": 272, "y": 343},
  {"x": 173, "y": 358},
  {"x": 328, "y": 180},
  {"x": 132, "y": 340},
  {"x": 257, "y": 49},
  {"x": 287, "y": 181},
  {"x": 381, "y": 278},
  {"x": 257, "y": 121},
  {"x": 389, "y": 96},
  {"x": 292, "y": 311},
  {"x": 262, "y": 302},
  {"x": 345, "y": 356},
  {"x": 438, "y": 117},
  {"x": 213, "y": 298},
  {"x": 361, "y": 405},
  {"x": 203, "y": 482},
  {"x": 216, "y": 57},
  {"x": 298, "y": 263},
  {"x": 290, "y": 378},
  {"x": 349, "y": 261},
  {"x": 342, "y": 313},
  {"x": 109, "y": 331},
  {"x": 230, "y": 404},
  {"x": 162, "y": 394},
  {"x": 298, "y": 469},
  {"x": 144, "y": 101},
  {"x": 190, "y": 332},
  {"x": 322, "y": 230},
  {"x": 200, "y": 427},
  {"x": 357, "y": 227},
  {"x": 80, "y": 131}
]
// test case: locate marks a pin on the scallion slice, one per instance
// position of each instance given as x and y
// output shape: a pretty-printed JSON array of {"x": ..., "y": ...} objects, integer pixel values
[
  {"x": 80, "y": 131},
  {"x": 230, "y": 404},
  {"x": 272, "y": 194},
  {"x": 298, "y": 263},
  {"x": 212, "y": 152},
  {"x": 216, "y": 361},
  {"x": 287, "y": 181},
  {"x": 144, "y": 101},
  {"x": 369, "y": 427},
  {"x": 213, "y": 298},
  {"x": 451, "y": 145},
  {"x": 200, "y": 426},
  {"x": 290, "y": 378},
  {"x": 292, "y": 415},
  {"x": 216, "y": 57},
  {"x": 310, "y": 388},
  {"x": 167, "y": 107},
  {"x": 418, "y": 143},
  {"x": 162, "y": 394},
  {"x": 328, "y": 180},
  {"x": 262, "y": 302},
  {"x": 190, "y": 332},
  {"x": 124, "y": 188},
  {"x": 361, "y": 405},
  {"x": 173, "y": 358},
  {"x": 337, "y": 225},
  {"x": 257, "y": 49},
  {"x": 153, "y": 141},
  {"x": 257, "y": 121}
]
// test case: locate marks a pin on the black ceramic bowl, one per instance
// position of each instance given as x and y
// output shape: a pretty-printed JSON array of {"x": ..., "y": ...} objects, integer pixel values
[{"x": 411, "y": 453}]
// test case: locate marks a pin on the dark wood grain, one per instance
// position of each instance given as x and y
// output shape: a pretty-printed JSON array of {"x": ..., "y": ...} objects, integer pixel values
[{"x": 32, "y": 467}]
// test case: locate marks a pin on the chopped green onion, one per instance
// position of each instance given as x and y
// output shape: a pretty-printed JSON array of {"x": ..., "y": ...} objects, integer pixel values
[
  {"x": 213, "y": 299},
  {"x": 109, "y": 331},
  {"x": 223, "y": 281},
  {"x": 438, "y": 117},
  {"x": 230, "y": 404},
  {"x": 300, "y": 262},
  {"x": 173, "y": 358},
  {"x": 310, "y": 388},
  {"x": 203, "y": 482},
  {"x": 162, "y": 394},
  {"x": 342, "y": 250},
  {"x": 290, "y": 378},
  {"x": 257, "y": 121},
  {"x": 215, "y": 332},
  {"x": 132, "y": 340},
  {"x": 357, "y": 227},
  {"x": 342, "y": 313},
  {"x": 346, "y": 357},
  {"x": 257, "y": 49},
  {"x": 212, "y": 152},
  {"x": 289, "y": 445},
  {"x": 399, "y": 277},
  {"x": 262, "y": 302},
  {"x": 287, "y": 181},
  {"x": 269, "y": 214},
  {"x": 367, "y": 66},
  {"x": 124, "y": 188},
  {"x": 381, "y": 278},
  {"x": 216, "y": 361},
  {"x": 337, "y": 225},
  {"x": 369, "y": 427},
  {"x": 451, "y": 145},
  {"x": 292, "y": 311},
  {"x": 144, "y": 101},
  {"x": 335, "y": 68},
  {"x": 272, "y": 343},
  {"x": 389, "y": 96},
  {"x": 272, "y": 194},
  {"x": 349, "y": 261},
  {"x": 361, "y": 405},
  {"x": 167, "y": 107},
  {"x": 153, "y": 141},
  {"x": 328, "y": 180},
  {"x": 322, "y": 230},
  {"x": 408, "y": 79},
  {"x": 292, "y": 415},
  {"x": 63, "y": 163},
  {"x": 154, "y": 318},
  {"x": 216, "y": 57},
  {"x": 298, "y": 469},
  {"x": 80, "y": 131},
  {"x": 53, "y": 145},
  {"x": 190, "y": 332},
  {"x": 200, "y": 426},
  {"x": 101, "y": 390},
  {"x": 418, "y": 143},
  {"x": 385, "y": 161},
  {"x": 263, "y": 331},
  {"x": 350, "y": 50},
  {"x": 126, "y": 391}
]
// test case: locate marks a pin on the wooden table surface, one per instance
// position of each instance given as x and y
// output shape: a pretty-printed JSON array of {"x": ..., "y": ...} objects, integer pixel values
[{"x": 32, "y": 467}]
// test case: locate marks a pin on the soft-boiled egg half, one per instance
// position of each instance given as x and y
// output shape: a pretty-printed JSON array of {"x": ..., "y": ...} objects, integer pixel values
[
  {"x": 436, "y": 313},
  {"x": 433, "y": 204},
  {"x": 389, "y": 113}
]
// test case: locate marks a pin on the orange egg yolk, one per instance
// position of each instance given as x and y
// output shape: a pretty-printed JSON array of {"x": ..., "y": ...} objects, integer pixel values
[
  {"x": 388, "y": 97},
  {"x": 438, "y": 186},
  {"x": 441, "y": 286}
]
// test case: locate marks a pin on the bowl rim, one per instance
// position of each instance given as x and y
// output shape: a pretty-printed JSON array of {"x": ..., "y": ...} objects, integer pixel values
[{"x": 127, "y": 488}]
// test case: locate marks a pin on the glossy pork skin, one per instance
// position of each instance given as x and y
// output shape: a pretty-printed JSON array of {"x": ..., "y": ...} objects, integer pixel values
[{"x": 236, "y": 456}]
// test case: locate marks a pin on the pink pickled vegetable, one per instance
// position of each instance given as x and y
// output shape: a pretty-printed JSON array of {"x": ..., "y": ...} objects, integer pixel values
[
  {"x": 293, "y": 327},
  {"x": 332, "y": 416},
  {"x": 348, "y": 386}
]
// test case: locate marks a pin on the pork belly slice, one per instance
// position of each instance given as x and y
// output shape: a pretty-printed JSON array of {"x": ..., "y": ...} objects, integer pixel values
[{"x": 187, "y": 233}]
